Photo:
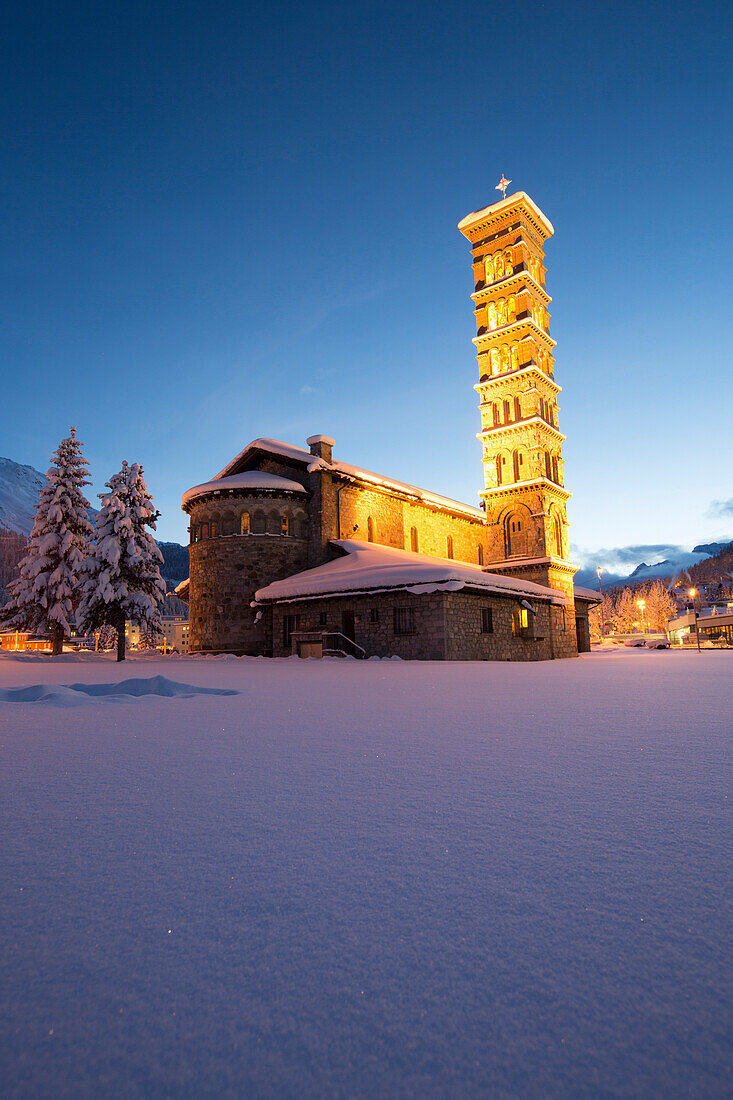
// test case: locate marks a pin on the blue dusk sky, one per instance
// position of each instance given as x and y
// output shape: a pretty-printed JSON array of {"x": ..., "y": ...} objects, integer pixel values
[{"x": 227, "y": 220}]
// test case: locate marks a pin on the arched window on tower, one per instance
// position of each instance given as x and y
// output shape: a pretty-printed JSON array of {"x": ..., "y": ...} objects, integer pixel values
[
  {"x": 558, "y": 536},
  {"x": 554, "y": 469},
  {"x": 517, "y": 409},
  {"x": 548, "y": 466},
  {"x": 284, "y": 525},
  {"x": 518, "y": 465},
  {"x": 501, "y": 311},
  {"x": 492, "y": 315},
  {"x": 511, "y": 307},
  {"x": 244, "y": 523},
  {"x": 514, "y": 358},
  {"x": 497, "y": 418},
  {"x": 515, "y": 536},
  {"x": 495, "y": 361},
  {"x": 508, "y": 265},
  {"x": 370, "y": 529},
  {"x": 489, "y": 269},
  {"x": 449, "y": 547},
  {"x": 499, "y": 476},
  {"x": 498, "y": 266},
  {"x": 413, "y": 540}
]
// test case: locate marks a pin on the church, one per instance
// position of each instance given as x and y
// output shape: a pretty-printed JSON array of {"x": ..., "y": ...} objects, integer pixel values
[{"x": 293, "y": 551}]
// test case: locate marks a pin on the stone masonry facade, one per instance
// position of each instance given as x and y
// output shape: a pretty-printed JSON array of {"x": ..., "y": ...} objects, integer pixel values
[
  {"x": 441, "y": 626},
  {"x": 277, "y": 510}
]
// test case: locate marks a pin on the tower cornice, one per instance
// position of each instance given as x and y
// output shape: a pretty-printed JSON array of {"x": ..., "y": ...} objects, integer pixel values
[
  {"x": 517, "y": 487},
  {"x": 527, "y": 326},
  {"x": 517, "y": 425},
  {"x": 511, "y": 375},
  {"x": 504, "y": 285},
  {"x": 480, "y": 222}
]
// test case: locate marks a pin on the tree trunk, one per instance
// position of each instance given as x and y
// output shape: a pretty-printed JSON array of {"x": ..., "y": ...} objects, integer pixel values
[
  {"x": 57, "y": 635},
  {"x": 121, "y": 637}
]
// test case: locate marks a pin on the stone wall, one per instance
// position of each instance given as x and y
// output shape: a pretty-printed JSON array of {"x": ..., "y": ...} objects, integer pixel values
[
  {"x": 393, "y": 518},
  {"x": 225, "y": 574},
  {"x": 447, "y": 626},
  {"x": 374, "y": 624},
  {"x": 558, "y": 575},
  {"x": 467, "y": 642}
]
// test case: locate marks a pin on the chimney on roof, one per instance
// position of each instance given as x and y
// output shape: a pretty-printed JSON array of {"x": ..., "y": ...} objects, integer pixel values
[{"x": 320, "y": 446}]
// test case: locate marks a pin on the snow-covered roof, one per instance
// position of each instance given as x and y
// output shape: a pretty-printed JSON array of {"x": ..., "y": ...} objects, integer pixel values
[
  {"x": 586, "y": 594},
  {"x": 410, "y": 490},
  {"x": 181, "y": 590},
  {"x": 367, "y": 567},
  {"x": 298, "y": 454},
  {"x": 249, "y": 479},
  {"x": 274, "y": 446}
]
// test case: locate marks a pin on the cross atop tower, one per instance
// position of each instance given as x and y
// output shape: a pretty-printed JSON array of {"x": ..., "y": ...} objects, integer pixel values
[{"x": 502, "y": 185}]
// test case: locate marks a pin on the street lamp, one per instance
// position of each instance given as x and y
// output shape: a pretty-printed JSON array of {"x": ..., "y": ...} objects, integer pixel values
[
  {"x": 641, "y": 604},
  {"x": 692, "y": 593},
  {"x": 599, "y": 570}
]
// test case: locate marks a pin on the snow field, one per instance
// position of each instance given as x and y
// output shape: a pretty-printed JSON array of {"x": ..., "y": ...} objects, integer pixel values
[{"x": 359, "y": 879}]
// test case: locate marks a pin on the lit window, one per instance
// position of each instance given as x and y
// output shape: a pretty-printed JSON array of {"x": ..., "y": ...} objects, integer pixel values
[
  {"x": 520, "y": 621},
  {"x": 284, "y": 525},
  {"x": 244, "y": 524}
]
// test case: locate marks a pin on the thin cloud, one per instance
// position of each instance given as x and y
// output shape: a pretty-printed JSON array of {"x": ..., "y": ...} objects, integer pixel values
[{"x": 720, "y": 508}]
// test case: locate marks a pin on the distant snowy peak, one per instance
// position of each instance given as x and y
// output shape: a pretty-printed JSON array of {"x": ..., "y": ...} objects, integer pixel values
[
  {"x": 19, "y": 489},
  {"x": 617, "y": 571},
  {"x": 711, "y": 548}
]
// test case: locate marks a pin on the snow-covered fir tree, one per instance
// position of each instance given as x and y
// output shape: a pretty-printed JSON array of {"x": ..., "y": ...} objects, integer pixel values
[
  {"x": 43, "y": 598},
  {"x": 121, "y": 576}
]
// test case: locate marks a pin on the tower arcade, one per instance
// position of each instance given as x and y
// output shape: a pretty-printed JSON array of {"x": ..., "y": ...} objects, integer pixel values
[{"x": 524, "y": 494}]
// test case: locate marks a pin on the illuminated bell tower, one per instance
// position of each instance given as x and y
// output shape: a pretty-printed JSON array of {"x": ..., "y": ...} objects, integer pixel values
[{"x": 524, "y": 494}]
